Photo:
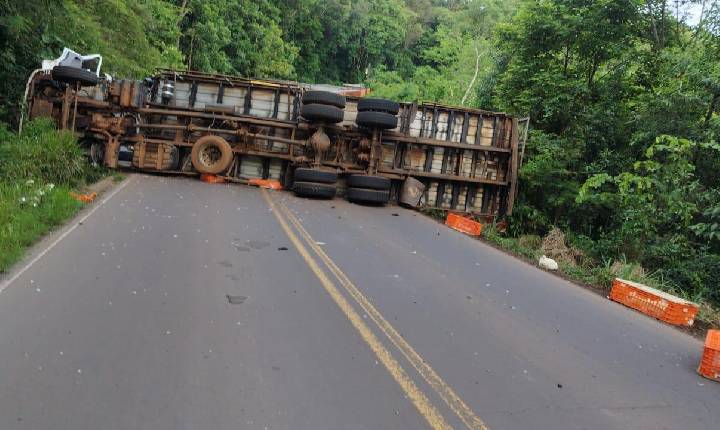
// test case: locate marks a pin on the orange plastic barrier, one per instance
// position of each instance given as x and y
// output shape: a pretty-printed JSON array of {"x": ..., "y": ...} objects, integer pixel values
[
  {"x": 710, "y": 363},
  {"x": 658, "y": 304},
  {"x": 465, "y": 225},
  {"x": 266, "y": 183},
  {"x": 85, "y": 198},
  {"x": 211, "y": 179}
]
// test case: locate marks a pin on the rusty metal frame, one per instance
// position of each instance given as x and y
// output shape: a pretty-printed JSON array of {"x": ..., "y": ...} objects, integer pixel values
[{"x": 245, "y": 132}]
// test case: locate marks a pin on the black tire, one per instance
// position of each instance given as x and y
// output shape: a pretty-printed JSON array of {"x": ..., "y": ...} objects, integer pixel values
[
  {"x": 324, "y": 98},
  {"x": 72, "y": 75},
  {"x": 368, "y": 182},
  {"x": 314, "y": 189},
  {"x": 322, "y": 113},
  {"x": 313, "y": 175},
  {"x": 371, "y": 119},
  {"x": 378, "y": 105},
  {"x": 364, "y": 195}
]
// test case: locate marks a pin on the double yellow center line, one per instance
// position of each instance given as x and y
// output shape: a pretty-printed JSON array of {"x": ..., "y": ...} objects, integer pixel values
[{"x": 431, "y": 414}]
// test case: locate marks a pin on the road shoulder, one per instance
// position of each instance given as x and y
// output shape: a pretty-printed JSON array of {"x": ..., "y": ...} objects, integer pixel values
[{"x": 104, "y": 188}]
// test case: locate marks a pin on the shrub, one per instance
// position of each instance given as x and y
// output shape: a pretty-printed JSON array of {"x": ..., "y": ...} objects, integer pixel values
[
  {"x": 554, "y": 246},
  {"x": 42, "y": 153},
  {"x": 530, "y": 241}
]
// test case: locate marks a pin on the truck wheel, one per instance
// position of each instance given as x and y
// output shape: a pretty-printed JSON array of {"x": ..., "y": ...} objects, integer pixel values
[
  {"x": 378, "y": 105},
  {"x": 314, "y": 189},
  {"x": 313, "y": 175},
  {"x": 72, "y": 75},
  {"x": 322, "y": 113},
  {"x": 364, "y": 195},
  {"x": 211, "y": 154},
  {"x": 324, "y": 98},
  {"x": 372, "y": 119},
  {"x": 369, "y": 182}
]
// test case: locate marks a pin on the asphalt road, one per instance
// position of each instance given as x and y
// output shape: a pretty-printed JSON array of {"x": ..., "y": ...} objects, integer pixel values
[{"x": 342, "y": 317}]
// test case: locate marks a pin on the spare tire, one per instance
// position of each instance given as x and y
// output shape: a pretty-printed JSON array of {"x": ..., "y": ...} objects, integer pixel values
[
  {"x": 313, "y": 175},
  {"x": 322, "y": 113},
  {"x": 371, "y": 119},
  {"x": 211, "y": 154},
  {"x": 314, "y": 189},
  {"x": 73, "y": 74},
  {"x": 368, "y": 181},
  {"x": 324, "y": 98},
  {"x": 364, "y": 195},
  {"x": 378, "y": 105}
]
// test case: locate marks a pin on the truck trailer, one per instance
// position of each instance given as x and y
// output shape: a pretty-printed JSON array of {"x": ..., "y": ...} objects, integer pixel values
[{"x": 317, "y": 142}]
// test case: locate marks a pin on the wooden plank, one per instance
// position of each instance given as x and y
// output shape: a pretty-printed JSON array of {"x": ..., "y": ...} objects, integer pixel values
[
  {"x": 450, "y": 123},
  {"x": 433, "y": 129},
  {"x": 193, "y": 94},
  {"x": 478, "y": 131},
  {"x": 248, "y": 101},
  {"x": 398, "y": 137},
  {"x": 512, "y": 193},
  {"x": 443, "y": 177},
  {"x": 221, "y": 93},
  {"x": 276, "y": 104},
  {"x": 465, "y": 126}
]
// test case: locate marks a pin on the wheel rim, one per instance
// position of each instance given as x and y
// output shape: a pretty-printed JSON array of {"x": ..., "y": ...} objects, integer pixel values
[{"x": 209, "y": 155}]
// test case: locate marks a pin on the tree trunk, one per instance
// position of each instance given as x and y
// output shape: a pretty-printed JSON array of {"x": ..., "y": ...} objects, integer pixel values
[
  {"x": 712, "y": 107},
  {"x": 472, "y": 81},
  {"x": 652, "y": 22}
]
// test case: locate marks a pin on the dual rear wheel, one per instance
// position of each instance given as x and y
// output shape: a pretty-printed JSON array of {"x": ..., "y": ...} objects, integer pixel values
[
  {"x": 323, "y": 107},
  {"x": 314, "y": 183},
  {"x": 322, "y": 184},
  {"x": 368, "y": 189},
  {"x": 377, "y": 113}
]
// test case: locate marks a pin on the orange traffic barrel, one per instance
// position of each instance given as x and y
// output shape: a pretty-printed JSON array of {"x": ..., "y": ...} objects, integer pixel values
[{"x": 710, "y": 363}]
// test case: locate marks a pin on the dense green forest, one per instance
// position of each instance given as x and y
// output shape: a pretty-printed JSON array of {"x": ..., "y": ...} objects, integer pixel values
[{"x": 623, "y": 95}]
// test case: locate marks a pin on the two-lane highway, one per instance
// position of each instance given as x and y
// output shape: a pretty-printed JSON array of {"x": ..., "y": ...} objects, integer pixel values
[{"x": 181, "y": 305}]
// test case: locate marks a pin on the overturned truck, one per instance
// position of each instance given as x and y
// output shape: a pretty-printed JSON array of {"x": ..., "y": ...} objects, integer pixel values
[{"x": 317, "y": 143}]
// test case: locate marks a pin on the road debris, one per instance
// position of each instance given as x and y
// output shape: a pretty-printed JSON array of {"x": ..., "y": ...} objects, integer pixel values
[
  {"x": 235, "y": 300},
  {"x": 547, "y": 263},
  {"x": 85, "y": 198}
]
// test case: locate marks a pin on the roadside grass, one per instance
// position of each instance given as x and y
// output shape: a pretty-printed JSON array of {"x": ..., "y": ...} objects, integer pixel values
[
  {"x": 38, "y": 169},
  {"x": 23, "y": 223},
  {"x": 599, "y": 275}
]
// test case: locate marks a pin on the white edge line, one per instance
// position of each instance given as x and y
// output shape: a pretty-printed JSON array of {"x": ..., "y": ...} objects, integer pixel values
[{"x": 6, "y": 283}]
